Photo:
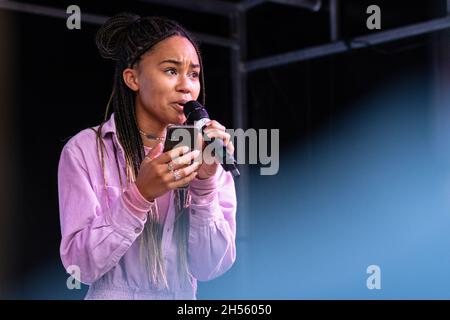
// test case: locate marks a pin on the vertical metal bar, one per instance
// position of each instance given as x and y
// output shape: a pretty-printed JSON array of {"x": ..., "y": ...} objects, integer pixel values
[
  {"x": 239, "y": 101},
  {"x": 239, "y": 74},
  {"x": 334, "y": 20},
  {"x": 9, "y": 136},
  {"x": 334, "y": 37},
  {"x": 440, "y": 96}
]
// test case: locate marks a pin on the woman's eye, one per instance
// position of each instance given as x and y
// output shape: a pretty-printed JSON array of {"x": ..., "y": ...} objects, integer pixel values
[
  {"x": 195, "y": 74},
  {"x": 171, "y": 71}
]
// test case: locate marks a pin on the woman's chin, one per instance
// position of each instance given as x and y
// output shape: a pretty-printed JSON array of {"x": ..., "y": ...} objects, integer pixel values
[{"x": 180, "y": 119}]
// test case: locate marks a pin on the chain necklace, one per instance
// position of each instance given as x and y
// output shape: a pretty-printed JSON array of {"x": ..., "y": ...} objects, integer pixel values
[{"x": 151, "y": 137}]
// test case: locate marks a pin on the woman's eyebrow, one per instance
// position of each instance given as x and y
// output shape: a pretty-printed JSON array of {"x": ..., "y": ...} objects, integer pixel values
[{"x": 178, "y": 63}]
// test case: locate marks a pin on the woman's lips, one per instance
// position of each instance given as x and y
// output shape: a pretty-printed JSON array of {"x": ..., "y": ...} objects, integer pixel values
[{"x": 178, "y": 106}]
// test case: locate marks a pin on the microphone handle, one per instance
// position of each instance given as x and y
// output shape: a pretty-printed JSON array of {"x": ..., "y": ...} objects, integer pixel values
[
  {"x": 227, "y": 161},
  {"x": 229, "y": 164}
]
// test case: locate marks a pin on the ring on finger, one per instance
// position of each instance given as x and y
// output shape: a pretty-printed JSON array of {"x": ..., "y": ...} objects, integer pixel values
[
  {"x": 170, "y": 166},
  {"x": 177, "y": 175}
]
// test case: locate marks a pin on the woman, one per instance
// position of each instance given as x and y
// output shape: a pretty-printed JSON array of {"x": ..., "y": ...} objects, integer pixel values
[{"x": 118, "y": 191}]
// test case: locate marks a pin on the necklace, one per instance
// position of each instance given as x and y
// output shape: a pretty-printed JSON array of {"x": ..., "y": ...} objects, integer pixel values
[{"x": 151, "y": 137}]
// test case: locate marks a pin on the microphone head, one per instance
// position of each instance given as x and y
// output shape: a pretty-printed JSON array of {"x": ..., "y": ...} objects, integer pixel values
[{"x": 194, "y": 111}]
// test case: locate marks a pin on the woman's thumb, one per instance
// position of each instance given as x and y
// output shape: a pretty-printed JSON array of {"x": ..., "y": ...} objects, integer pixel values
[{"x": 153, "y": 153}]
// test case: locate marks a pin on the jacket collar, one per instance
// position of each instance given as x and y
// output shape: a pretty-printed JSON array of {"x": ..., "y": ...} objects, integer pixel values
[{"x": 109, "y": 127}]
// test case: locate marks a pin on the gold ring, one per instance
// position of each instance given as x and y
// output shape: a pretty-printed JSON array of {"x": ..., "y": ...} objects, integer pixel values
[{"x": 170, "y": 166}]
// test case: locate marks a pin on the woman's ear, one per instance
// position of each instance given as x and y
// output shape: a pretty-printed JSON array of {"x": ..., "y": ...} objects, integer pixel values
[{"x": 130, "y": 79}]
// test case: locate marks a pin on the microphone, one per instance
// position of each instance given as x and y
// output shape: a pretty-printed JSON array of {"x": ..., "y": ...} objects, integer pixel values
[{"x": 196, "y": 114}]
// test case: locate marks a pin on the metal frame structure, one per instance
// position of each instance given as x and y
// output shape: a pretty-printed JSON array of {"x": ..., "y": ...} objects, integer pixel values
[
  {"x": 237, "y": 43},
  {"x": 241, "y": 67}
]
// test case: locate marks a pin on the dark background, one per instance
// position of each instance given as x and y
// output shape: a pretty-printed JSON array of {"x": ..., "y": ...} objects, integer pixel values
[{"x": 61, "y": 85}]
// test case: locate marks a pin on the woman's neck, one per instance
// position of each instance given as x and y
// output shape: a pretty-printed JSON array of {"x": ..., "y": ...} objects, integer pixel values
[{"x": 152, "y": 132}]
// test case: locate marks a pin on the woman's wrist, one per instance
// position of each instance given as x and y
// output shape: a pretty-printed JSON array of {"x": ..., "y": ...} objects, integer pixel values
[
  {"x": 142, "y": 193},
  {"x": 135, "y": 202}
]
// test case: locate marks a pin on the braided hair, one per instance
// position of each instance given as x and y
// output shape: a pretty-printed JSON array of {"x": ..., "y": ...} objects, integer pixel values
[{"x": 124, "y": 38}]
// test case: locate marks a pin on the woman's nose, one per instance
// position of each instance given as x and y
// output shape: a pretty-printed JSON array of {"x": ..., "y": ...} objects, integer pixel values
[{"x": 184, "y": 84}]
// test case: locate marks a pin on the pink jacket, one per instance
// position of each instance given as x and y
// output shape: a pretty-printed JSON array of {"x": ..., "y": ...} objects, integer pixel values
[{"x": 101, "y": 230}]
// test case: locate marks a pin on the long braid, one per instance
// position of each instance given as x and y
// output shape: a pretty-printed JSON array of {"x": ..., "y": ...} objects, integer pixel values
[{"x": 124, "y": 38}]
